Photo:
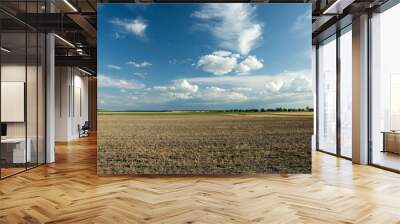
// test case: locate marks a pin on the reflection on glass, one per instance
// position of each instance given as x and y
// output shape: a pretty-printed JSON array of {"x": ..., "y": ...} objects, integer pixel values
[
  {"x": 346, "y": 93},
  {"x": 386, "y": 89},
  {"x": 41, "y": 99},
  {"x": 31, "y": 101},
  {"x": 327, "y": 95},
  {"x": 22, "y": 91},
  {"x": 14, "y": 150}
]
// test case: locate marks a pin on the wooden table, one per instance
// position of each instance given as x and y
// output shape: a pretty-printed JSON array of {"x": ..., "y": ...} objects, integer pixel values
[
  {"x": 16, "y": 147},
  {"x": 391, "y": 141}
]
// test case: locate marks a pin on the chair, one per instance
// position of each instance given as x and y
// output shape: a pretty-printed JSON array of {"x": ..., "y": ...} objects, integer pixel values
[{"x": 84, "y": 130}]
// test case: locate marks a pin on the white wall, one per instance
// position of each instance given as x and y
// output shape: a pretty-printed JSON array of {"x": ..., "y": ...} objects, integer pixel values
[
  {"x": 62, "y": 82},
  {"x": 71, "y": 87}
]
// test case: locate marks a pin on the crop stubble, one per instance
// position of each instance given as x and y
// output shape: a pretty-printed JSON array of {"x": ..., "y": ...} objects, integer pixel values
[{"x": 141, "y": 144}]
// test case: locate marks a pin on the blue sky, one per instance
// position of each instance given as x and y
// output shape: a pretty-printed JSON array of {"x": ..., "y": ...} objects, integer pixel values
[{"x": 204, "y": 56}]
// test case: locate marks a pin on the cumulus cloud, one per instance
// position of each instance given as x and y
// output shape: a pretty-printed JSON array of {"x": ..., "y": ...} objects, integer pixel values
[
  {"x": 180, "y": 89},
  {"x": 219, "y": 62},
  {"x": 233, "y": 25},
  {"x": 284, "y": 83},
  {"x": 114, "y": 67},
  {"x": 139, "y": 64},
  {"x": 224, "y": 95},
  {"x": 224, "y": 62},
  {"x": 274, "y": 86},
  {"x": 291, "y": 88},
  {"x": 108, "y": 82},
  {"x": 185, "y": 86},
  {"x": 248, "y": 64},
  {"x": 136, "y": 26},
  {"x": 298, "y": 84}
]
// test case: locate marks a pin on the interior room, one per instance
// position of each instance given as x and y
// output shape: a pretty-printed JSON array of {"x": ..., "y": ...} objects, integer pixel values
[
  {"x": 385, "y": 89},
  {"x": 49, "y": 132},
  {"x": 71, "y": 103},
  {"x": 22, "y": 100}
]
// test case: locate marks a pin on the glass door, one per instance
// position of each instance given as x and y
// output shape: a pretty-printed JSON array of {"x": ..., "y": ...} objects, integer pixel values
[
  {"x": 385, "y": 89},
  {"x": 14, "y": 153},
  {"x": 346, "y": 92},
  {"x": 22, "y": 101},
  {"x": 327, "y": 95}
]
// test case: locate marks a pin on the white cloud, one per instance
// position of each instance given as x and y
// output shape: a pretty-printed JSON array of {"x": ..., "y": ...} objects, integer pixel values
[
  {"x": 219, "y": 62},
  {"x": 117, "y": 101},
  {"x": 175, "y": 61},
  {"x": 297, "y": 85},
  {"x": 135, "y": 26},
  {"x": 140, "y": 75},
  {"x": 185, "y": 86},
  {"x": 274, "y": 86},
  {"x": 248, "y": 64},
  {"x": 223, "y": 95},
  {"x": 114, "y": 67},
  {"x": 108, "y": 82},
  {"x": 290, "y": 88},
  {"x": 180, "y": 89},
  {"x": 302, "y": 22},
  {"x": 224, "y": 62},
  {"x": 284, "y": 83},
  {"x": 139, "y": 64},
  {"x": 233, "y": 25},
  {"x": 242, "y": 89}
]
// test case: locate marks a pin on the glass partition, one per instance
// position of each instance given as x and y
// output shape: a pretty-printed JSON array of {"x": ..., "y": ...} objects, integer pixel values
[
  {"x": 22, "y": 101},
  {"x": 13, "y": 109},
  {"x": 385, "y": 89},
  {"x": 346, "y": 92},
  {"x": 31, "y": 99},
  {"x": 327, "y": 95},
  {"x": 41, "y": 97}
]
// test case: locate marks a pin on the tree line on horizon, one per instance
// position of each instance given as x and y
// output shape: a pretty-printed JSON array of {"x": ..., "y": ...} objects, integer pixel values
[{"x": 277, "y": 109}]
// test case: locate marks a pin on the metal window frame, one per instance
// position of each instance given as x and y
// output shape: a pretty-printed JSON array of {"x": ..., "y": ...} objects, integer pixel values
[
  {"x": 338, "y": 33},
  {"x": 381, "y": 9},
  {"x": 44, "y": 75}
]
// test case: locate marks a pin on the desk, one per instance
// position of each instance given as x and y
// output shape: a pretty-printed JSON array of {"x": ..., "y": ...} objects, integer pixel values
[
  {"x": 391, "y": 141},
  {"x": 19, "y": 155}
]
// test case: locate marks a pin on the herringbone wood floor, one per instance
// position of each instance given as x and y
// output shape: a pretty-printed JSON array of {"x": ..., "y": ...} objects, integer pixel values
[{"x": 69, "y": 191}]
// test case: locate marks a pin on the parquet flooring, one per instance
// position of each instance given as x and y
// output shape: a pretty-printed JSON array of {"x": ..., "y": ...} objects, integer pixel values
[{"x": 69, "y": 191}]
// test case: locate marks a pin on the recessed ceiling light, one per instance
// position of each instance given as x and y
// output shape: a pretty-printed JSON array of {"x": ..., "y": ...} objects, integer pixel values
[
  {"x": 337, "y": 7},
  {"x": 64, "y": 40},
  {"x": 84, "y": 71},
  {"x": 70, "y": 5},
  {"x": 5, "y": 50}
]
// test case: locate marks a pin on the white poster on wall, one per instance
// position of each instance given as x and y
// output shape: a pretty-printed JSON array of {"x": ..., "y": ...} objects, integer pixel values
[{"x": 12, "y": 101}]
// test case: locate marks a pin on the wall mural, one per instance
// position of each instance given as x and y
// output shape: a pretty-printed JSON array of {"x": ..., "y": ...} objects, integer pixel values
[{"x": 204, "y": 89}]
